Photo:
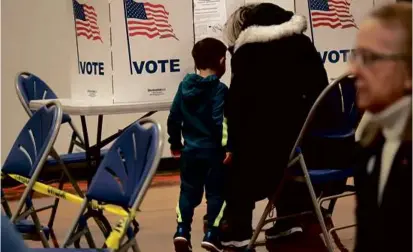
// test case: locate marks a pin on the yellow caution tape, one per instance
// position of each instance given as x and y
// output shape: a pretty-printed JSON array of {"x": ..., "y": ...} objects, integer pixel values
[
  {"x": 54, "y": 192},
  {"x": 114, "y": 239}
]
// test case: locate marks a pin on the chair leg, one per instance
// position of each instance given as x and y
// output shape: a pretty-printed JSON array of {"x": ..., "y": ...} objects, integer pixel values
[
  {"x": 6, "y": 207},
  {"x": 130, "y": 244},
  {"x": 338, "y": 242},
  {"x": 316, "y": 204},
  {"x": 268, "y": 208},
  {"x": 56, "y": 203},
  {"x": 135, "y": 247},
  {"x": 331, "y": 229},
  {"x": 260, "y": 224},
  {"x": 22, "y": 201},
  {"x": 76, "y": 133},
  {"x": 66, "y": 172},
  {"x": 53, "y": 238},
  {"x": 72, "y": 142},
  {"x": 53, "y": 213},
  {"x": 75, "y": 223},
  {"x": 89, "y": 238},
  {"x": 331, "y": 206},
  {"x": 39, "y": 230}
]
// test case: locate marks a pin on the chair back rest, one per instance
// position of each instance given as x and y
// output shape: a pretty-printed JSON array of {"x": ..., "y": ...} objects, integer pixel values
[
  {"x": 337, "y": 113},
  {"x": 36, "y": 139},
  {"x": 30, "y": 87},
  {"x": 339, "y": 99},
  {"x": 128, "y": 167}
]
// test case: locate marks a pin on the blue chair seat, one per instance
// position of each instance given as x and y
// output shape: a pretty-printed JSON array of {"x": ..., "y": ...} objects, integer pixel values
[
  {"x": 327, "y": 175},
  {"x": 73, "y": 158},
  {"x": 66, "y": 118},
  {"x": 67, "y": 250},
  {"x": 27, "y": 227}
]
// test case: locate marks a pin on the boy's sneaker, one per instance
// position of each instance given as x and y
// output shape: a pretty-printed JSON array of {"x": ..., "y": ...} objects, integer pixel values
[
  {"x": 282, "y": 229},
  {"x": 182, "y": 240},
  {"x": 211, "y": 242}
]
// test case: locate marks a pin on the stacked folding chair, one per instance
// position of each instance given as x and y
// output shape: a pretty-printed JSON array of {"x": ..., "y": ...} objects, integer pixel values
[
  {"x": 30, "y": 87},
  {"x": 311, "y": 176}
]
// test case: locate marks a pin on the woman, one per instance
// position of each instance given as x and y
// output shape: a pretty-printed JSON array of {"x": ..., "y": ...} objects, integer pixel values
[
  {"x": 277, "y": 75},
  {"x": 382, "y": 63}
]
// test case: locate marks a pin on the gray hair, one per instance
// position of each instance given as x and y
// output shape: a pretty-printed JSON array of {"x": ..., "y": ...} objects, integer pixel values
[{"x": 233, "y": 26}]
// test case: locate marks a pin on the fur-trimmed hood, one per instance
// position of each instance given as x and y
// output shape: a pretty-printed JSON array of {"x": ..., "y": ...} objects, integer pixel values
[{"x": 261, "y": 34}]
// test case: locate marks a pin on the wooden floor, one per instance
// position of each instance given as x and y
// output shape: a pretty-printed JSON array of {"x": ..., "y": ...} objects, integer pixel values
[{"x": 157, "y": 222}]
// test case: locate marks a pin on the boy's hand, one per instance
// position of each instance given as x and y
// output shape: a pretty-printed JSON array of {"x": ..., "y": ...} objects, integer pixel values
[
  {"x": 176, "y": 154},
  {"x": 228, "y": 158}
]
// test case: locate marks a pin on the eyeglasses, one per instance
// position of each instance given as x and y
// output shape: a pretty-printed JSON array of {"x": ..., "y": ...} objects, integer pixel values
[{"x": 366, "y": 57}]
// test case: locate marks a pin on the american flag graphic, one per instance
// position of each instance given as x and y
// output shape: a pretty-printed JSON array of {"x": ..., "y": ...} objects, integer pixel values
[
  {"x": 331, "y": 13},
  {"x": 147, "y": 19},
  {"x": 86, "y": 21}
]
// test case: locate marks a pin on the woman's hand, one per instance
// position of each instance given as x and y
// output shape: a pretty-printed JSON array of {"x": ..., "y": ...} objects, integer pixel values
[
  {"x": 228, "y": 158},
  {"x": 176, "y": 154}
]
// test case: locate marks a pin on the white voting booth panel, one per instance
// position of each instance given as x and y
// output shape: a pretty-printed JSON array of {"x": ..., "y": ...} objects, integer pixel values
[
  {"x": 91, "y": 29},
  {"x": 332, "y": 28},
  {"x": 151, "y": 46}
]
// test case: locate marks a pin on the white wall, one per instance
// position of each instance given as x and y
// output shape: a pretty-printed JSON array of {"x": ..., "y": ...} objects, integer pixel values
[
  {"x": 37, "y": 41},
  {"x": 31, "y": 42}
]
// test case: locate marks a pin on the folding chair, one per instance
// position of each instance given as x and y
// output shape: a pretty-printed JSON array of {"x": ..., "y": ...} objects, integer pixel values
[
  {"x": 26, "y": 158},
  {"x": 314, "y": 176},
  {"x": 12, "y": 241},
  {"x": 122, "y": 179},
  {"x": 30, "y": 87}
]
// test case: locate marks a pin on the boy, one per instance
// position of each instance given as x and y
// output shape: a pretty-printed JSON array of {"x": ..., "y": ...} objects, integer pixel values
[{"x": 197, "y": 113}]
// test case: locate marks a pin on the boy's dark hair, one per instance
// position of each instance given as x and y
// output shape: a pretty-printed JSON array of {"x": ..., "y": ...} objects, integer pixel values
[{"x": 208, "y": 52}]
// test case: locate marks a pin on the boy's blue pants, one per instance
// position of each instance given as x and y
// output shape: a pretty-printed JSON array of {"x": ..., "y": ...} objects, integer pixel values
[{"x": 196, "y": 174}]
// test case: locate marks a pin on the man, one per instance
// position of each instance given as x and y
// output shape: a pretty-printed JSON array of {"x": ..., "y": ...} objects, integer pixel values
[{"x": 382, "y": 63}]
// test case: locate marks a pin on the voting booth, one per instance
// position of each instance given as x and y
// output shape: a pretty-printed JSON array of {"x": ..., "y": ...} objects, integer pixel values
[
  {"x": 91, "y": 29},
  {"x": 332, "y": 26},
  {"x": 132, "y": 51}
]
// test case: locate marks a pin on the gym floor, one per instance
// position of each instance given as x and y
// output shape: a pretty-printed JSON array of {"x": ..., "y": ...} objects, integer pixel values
[{"x": 157, "y": 221}]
